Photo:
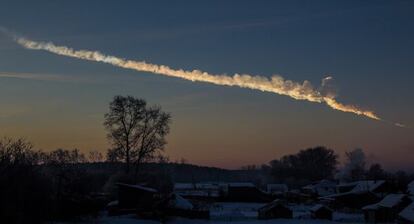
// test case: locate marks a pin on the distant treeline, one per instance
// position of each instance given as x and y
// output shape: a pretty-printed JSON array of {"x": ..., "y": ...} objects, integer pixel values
[
  {"x": 38, "y": 186},
  {"x": 314, "y": 164}
]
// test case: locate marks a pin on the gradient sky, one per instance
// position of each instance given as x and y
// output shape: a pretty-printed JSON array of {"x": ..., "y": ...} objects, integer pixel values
[{"x": 367, "y": 46}]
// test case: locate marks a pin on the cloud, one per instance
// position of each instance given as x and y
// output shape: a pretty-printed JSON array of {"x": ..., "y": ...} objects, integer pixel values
[
  {"x": 276, "y": 84},
  {"x": 41, "y": 77}
]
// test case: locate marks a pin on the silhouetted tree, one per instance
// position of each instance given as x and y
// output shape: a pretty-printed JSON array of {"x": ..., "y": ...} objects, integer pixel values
[
  {"x": 401, "y": 180},
  {"x": 375, "y": 172},
  {"x": 309, "y": 164},
  {"x": 136, "y": 131},
  {"x": 95, "y": 157},
  {"x": 24, "y": 194},
  {"x": 318, "y": 163},
  {"x": 63, "y": 167}
]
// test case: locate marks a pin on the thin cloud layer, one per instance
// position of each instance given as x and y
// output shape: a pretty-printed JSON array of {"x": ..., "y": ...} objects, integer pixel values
[{"x": 42, "y": 77}]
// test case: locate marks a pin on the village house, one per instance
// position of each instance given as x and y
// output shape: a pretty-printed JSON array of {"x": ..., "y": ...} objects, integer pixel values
[
  {"x": 355, "y": 200},
  {"x": 387, "y": 209},
  {"x": 245, "y": 192},
  {"x": 321, "y": 212},
  {"x": 275, "y": 189},
  {"x": 321, "y": 188},
  {"x": 200, "y": 191},
  {"x": 235, "y": 192},
  {"x": 379, "y": 187},
  {"x": 175, "y": 205},
  {"x": 275, "y": 210},
  {"x": 406, "y": 216},
  {"x": 359, "y": 194},
  {"x": 135, "y": 196}
]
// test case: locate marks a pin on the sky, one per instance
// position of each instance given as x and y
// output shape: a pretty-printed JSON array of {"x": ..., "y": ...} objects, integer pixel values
[{"x": 366, "y": 46}]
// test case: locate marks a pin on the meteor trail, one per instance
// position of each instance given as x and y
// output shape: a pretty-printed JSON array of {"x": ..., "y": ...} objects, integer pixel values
[{"x": 275, "y": 84}]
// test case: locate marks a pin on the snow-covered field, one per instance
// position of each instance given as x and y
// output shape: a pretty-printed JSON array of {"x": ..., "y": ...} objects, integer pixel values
[
  {"x": 242, "y": 213},
  {"x": 132, "y": 220}
]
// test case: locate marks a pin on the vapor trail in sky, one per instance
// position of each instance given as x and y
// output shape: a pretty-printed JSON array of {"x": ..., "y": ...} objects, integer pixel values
[{"x": 275, "y": 84}]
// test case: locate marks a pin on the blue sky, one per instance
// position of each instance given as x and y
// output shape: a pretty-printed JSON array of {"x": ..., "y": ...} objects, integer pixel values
[{"x": 367, "y": 46}]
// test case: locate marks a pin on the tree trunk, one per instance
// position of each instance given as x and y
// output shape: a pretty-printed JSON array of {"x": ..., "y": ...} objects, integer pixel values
[{"x": 127, "y": 161}]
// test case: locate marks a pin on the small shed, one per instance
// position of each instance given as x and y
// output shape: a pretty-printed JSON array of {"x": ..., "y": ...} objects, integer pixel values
[
  {"x": 135, "y": 196},
  {"x": 178, "y": 202},
  {"x": 175, "y": 205},
  {"x": 275, "y": 210},
  {"x": 387, "y": 209},
  {"x": 321, "y": 212}
]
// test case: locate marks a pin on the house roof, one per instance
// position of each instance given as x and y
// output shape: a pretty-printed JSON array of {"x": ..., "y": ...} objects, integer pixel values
[
  {"x": 212, "y": 186},
  {"x": 242, "y": 184},
  {"x": 332, "y": 196},
  {"x": 271, "y": 205},
  {"x": 319, "y": 206},
  {"x": 322, "y": 188},
  {"x": 410, "y": 188},
  {"x": 136, "y": 186},
  {"x": 408, "y": 213},
  {"x": 199, "y": 193},
  {"x": 363, "y": 185},
  {"x": 389, "y": 201},
  {"x": 279, "y": 187},
  {"x": 180, "y": 202},
  {"x": 183, "y": 186},
  {"x": 322, "y": 183}
]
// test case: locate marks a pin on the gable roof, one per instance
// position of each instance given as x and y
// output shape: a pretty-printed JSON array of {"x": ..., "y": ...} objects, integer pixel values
[
  {"x": 389, "y": 201},
  {"x": 319, "y": 206},
  {"x": 136, "y": 186},
  {"x": 179, "y": 202},
  {"x": 410, "y": 188},
  {"x": 363, "y": 185},
  {"x": 241, "y": 184},
  {"x": 277, "y": 187},
  {"x": 408, "y": 213},
  {"x": 272, "y": 204}
]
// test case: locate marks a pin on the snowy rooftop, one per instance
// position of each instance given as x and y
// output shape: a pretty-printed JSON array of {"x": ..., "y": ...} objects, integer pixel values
[
  {"x": 271, "y": 205},
  {"x": 408, "y": 213},
  {"x": 199, "y": 193},
  {"x": 389, "y": 201},
  {"x": 363, "y": 185},
  {"x": 242, "y": 184},
  {"x": 410, "y": 187},
  {"x": 138, "y": 187},
  {"x": 180, "y": 202},
  {"x": 277, "y": 187},
  {"x": 317, "y": 207},
  {"x": 183, "y": 186},
  {"x": 211, "y": 186}
]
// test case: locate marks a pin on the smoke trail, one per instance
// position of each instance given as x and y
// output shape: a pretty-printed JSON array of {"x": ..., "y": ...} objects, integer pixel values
[{"x": 276, "y": 84}]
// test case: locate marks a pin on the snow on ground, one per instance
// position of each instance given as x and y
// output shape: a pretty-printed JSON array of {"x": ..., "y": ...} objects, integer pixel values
[
  {"x": 243, "y": 213},
  {"x": 125, "y": 219},
  {"x": 132, "y": 220},
  {"x": 234, "y": 211}
]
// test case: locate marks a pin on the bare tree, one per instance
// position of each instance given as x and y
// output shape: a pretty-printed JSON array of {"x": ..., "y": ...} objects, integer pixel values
[
  {"x": 137, "y": 132},
  {"x": 16, "y": 152},
  {"x": 95, "y": 156}
]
